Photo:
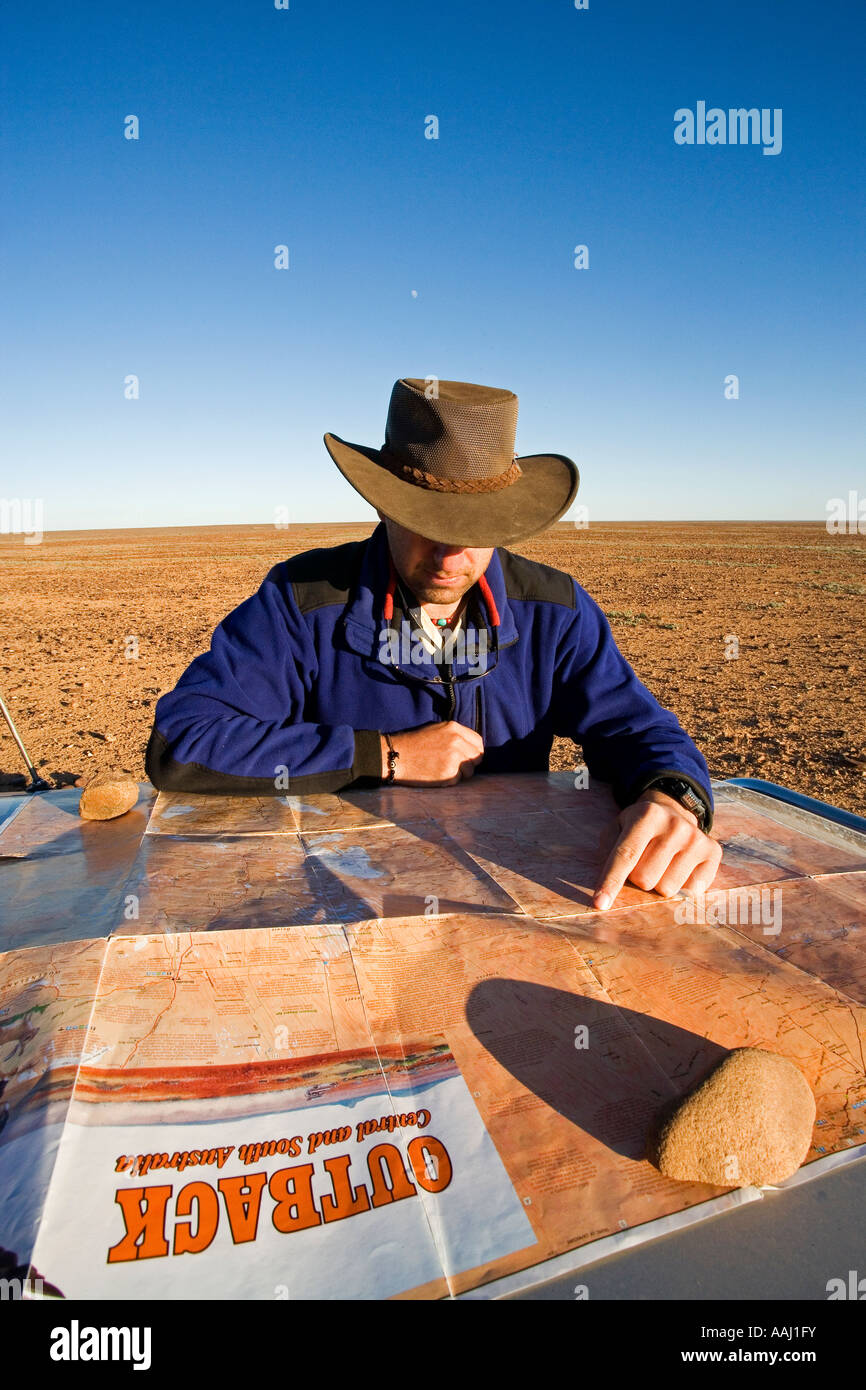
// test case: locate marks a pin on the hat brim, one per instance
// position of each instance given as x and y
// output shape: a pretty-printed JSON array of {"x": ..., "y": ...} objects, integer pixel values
[{"x": 546, "y": 488}]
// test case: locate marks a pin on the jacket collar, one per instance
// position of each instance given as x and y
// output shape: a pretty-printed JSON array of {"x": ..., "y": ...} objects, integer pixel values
[{"x": 363, "y": 618}]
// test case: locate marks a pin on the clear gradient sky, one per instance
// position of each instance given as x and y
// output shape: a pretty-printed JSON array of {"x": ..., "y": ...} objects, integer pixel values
[{"x": 306, "y": 127}]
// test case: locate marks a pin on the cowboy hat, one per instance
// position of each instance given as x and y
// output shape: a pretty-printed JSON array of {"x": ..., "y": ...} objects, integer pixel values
[{"x": 448, "y": 471}]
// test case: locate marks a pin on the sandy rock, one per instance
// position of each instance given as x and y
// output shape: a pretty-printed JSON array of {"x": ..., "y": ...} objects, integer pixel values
[
  {"x": 749, "y": 1123},
  {"x": 107, "y": 796}
]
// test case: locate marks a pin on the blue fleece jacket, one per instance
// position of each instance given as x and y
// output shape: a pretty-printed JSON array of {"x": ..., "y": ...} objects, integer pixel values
[{"x": 301, "y": 678}]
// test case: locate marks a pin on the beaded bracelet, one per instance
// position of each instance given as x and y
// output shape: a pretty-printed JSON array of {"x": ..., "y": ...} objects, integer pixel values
[{"x": 393, "y": 757}]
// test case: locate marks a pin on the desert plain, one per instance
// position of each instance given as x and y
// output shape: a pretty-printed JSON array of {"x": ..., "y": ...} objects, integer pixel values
[{"x": 751, "y": 632}]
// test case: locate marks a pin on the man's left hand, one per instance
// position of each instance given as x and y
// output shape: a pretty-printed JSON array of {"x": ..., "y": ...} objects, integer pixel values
[{"x": 659, "y": 847}]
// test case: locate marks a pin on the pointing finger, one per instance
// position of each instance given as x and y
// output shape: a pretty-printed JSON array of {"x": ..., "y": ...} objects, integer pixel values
[{"x": 622, "y": 859}]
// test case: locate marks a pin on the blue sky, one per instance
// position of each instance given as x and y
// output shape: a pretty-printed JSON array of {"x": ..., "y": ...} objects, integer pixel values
[{"x": 306, "y": 127}]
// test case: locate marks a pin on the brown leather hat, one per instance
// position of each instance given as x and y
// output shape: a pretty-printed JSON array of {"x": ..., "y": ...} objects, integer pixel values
[{"x": 448, "y": 471}]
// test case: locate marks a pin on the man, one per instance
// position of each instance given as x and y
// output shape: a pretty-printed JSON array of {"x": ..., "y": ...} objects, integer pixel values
[{"x": 429, "y": 651}]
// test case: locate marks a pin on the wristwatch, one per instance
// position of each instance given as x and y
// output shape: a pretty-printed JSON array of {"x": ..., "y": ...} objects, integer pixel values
[{"x": 685, "y": 794}]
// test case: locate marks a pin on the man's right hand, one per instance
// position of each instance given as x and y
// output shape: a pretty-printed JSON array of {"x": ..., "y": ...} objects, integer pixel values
[{"x": 436, "y": 755}]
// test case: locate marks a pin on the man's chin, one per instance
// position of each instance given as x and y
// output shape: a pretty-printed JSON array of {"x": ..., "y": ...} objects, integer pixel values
[{"x": 438, "y": 594}]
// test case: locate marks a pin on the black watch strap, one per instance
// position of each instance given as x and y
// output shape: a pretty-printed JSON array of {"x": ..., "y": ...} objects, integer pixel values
[{"x": 683, "y": 792}]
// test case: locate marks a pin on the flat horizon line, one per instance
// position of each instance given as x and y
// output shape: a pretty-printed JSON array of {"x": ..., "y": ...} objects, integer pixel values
[{"x": 302, "y": 525}]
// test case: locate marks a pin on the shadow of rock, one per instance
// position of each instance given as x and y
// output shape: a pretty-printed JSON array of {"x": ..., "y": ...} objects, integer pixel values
[{"x": 615, "y": 1081}]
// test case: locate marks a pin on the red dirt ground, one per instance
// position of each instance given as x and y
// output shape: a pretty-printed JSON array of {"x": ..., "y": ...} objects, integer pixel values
[{"x": 790, "y": 708}]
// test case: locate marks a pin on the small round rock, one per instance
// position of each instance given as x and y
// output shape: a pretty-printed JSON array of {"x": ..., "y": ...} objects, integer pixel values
[
  {"x": 105, "y": 798},
  {"x": 748, "y": 1124}
]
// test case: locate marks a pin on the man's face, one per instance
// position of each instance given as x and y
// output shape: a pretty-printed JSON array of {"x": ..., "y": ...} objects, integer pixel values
[{"x": 435, "y": 572}]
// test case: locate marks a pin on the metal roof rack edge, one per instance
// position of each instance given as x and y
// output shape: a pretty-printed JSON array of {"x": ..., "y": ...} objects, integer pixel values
[{"x": 803, "y": 803}]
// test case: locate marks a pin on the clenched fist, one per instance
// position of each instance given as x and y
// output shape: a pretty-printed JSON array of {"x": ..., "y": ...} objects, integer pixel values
[{"x": 436, "y": 755}]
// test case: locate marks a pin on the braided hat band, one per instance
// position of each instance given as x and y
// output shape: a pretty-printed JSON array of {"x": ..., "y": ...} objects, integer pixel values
[{"x": 421, "y": 478}]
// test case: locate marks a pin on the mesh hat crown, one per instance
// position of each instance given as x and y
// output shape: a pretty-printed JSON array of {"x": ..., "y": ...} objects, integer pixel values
[
  {"x": 448, "y": 471},
  {"x": 460, "y": 439}
]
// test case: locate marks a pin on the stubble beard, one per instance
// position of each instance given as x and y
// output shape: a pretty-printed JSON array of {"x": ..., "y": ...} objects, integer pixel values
[
  {"x": 440, "y": 598},
  {"x": 441, "y": 595}
]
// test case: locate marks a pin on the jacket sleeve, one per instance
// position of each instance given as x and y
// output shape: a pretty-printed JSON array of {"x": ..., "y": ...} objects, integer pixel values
[
  {"x": 628, "y": 738},
  {"x": 234, "y": 723}
]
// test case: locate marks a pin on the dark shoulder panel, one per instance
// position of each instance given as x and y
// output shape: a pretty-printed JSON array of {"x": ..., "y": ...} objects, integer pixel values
[
  {"x": 535, "y": 583},
  {"x": 321, "y": 577}
]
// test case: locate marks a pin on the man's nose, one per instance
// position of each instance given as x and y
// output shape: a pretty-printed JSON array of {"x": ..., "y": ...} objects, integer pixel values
[{"x": 443, "y": 552}]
